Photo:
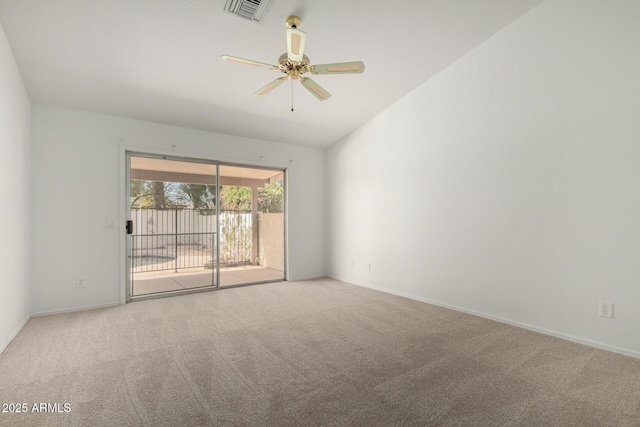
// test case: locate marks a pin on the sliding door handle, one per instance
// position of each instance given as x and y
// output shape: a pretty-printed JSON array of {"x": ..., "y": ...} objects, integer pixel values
[{"x": 129, "y": 227}]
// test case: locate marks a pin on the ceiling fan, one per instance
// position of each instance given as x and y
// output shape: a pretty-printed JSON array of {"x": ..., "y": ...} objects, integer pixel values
[{"x": 294, "y": 63}]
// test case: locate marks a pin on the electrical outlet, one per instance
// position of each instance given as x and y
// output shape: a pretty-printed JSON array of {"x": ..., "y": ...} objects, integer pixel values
[
  {"x": 369, "y": 267},
  {"x": 79, "y": 282},
  {"x": 606, "y": 309}
]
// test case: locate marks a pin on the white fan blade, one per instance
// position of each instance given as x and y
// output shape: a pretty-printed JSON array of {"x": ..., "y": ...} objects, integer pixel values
[
  {"x": 271, "y": 86},
  {"x": 315, "y": 89},
  {"x": 295, "y": 44},
  {"x": 339, "y": 68},
  {"x": 248, "y": 62}
]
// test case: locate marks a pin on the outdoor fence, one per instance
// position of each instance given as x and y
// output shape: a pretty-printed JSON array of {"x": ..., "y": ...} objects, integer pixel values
[
  {"x": 174, "y": 239},
  {"x": 236, "y": 233}
]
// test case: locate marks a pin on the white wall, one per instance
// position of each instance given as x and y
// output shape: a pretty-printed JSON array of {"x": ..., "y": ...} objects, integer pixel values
[
  {"x": 15, "y": 125},
  {"x": 76, "y": 188},
  {"x": 509, "y": 184}
]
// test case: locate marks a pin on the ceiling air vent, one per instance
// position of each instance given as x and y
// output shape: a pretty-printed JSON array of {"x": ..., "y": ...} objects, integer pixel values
[{"x": 253, "y": 10}]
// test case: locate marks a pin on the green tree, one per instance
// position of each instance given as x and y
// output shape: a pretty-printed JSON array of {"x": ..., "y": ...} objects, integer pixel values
[
  {"x": 159, "y": 195},
  {"x": 200, "y": 196},
  {"x": 233, "y": 197},
  {"x": 270, "y": 198},
  {"x": 159, "y": 198},
  {"x": 141, "y": 194},
  {"x": 156, "y": 194}
]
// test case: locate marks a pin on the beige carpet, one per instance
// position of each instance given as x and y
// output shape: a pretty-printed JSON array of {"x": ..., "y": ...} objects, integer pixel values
[{"x": 307, "y": 353}]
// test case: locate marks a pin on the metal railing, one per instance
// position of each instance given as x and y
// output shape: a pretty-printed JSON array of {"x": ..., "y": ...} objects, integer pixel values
[
  {"x": 179, "y": 238},
  {"x": 236, "y": 234},
  {"x": 158, "y": 252}
]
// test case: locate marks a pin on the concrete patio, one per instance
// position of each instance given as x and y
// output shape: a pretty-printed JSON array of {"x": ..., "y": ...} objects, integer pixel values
[{"x": 146, "y": 283}]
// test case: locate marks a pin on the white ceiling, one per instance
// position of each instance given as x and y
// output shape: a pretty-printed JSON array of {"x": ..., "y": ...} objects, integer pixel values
[{"x": 159, "y": 60}]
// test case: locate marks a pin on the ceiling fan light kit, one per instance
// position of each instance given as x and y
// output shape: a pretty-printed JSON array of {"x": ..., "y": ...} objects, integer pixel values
[{"x": 294, "y": 63}]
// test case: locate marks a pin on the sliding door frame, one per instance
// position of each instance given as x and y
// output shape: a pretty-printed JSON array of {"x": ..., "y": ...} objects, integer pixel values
[
  {"x": 215, "y": 273},
  {"x": 125, "y": 189},
  {"x": 285, "y": 210}
]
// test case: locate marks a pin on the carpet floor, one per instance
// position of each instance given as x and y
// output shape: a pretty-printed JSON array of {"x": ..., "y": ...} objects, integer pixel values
[{"x": 320, "y": 352}]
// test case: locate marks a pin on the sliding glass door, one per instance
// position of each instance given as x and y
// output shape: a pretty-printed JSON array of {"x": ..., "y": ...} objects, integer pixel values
[
  {"x": 251, "y": 219},
  {"x": 172, "y": 225},
  {"x": 197, "y": 225}
]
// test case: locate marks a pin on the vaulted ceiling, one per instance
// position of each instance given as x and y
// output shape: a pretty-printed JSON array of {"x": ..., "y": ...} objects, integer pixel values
[{"x": 159, "y": 60}]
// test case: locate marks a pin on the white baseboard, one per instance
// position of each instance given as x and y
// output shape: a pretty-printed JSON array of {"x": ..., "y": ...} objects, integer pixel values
[
  {"x": 302, "y": 279},
  {"x": 533, "y": 328},
  {"x": 74, "y": 309},
  {"x": 15, "y": 333}
]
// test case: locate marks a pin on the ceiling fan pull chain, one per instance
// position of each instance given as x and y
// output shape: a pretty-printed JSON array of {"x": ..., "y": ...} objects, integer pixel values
[{"x": 292, "y": 96}]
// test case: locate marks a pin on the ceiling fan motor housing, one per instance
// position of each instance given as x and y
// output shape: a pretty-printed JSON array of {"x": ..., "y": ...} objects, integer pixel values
[{"x": 293, "y": 68}]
